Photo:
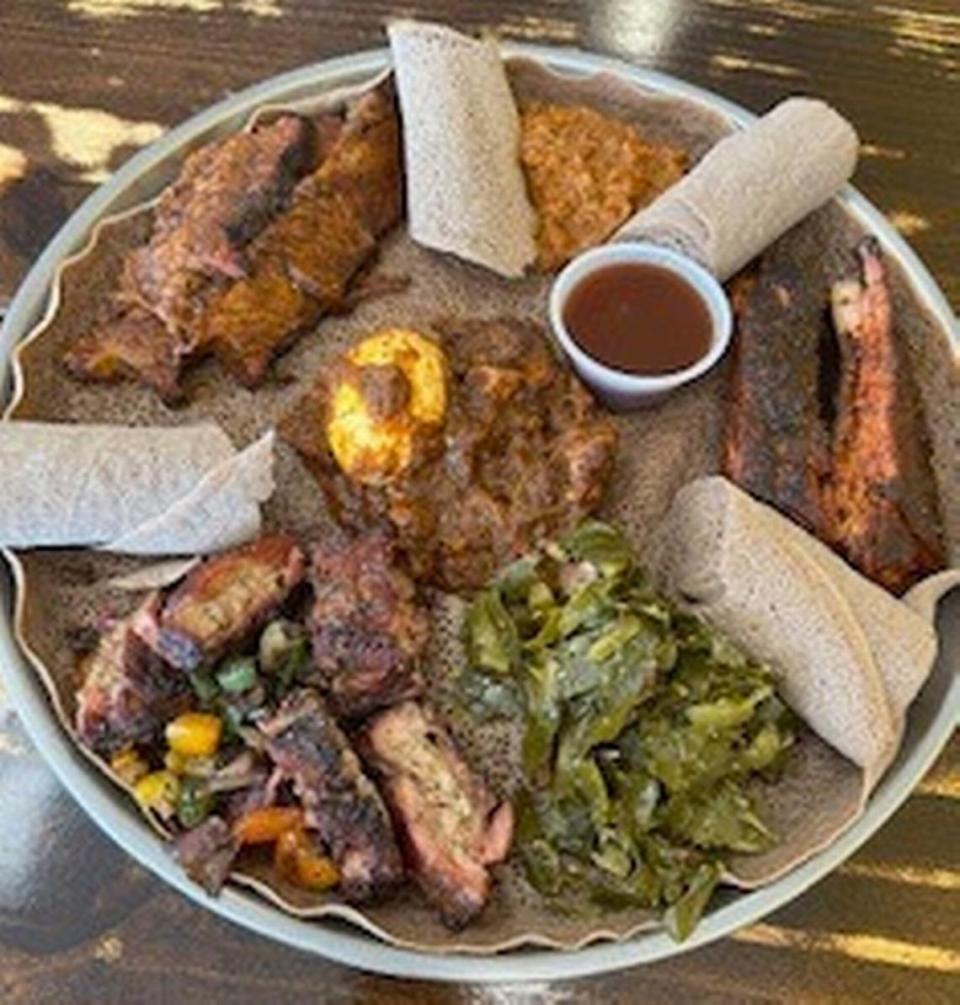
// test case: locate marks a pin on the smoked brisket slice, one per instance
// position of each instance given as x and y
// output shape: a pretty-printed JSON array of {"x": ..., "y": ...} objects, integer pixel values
[
  {"x": 127, "y": 692},
  {"x": 226, "y": 193},
  {"x": 304, "y": 260}
]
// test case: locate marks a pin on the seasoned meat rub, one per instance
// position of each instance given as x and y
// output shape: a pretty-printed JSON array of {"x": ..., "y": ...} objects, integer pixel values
[
  {"x": 368, "y": 630},
  {"x": 224, "y": 196},
  {"x": 881, "y": 504},
  {"x": 223, "y": 602},
  {"x": 451, "y": 826},
  {"x": 341, "y": 804},
  {"x": 258, "y": 238},
  {"x": 304, "y": 260}
]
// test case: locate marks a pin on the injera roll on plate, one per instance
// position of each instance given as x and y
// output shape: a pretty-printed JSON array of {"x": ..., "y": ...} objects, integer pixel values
[{"x": 661, "y": 450}]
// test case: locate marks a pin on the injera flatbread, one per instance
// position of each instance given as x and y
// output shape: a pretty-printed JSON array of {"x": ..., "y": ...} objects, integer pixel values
[
  {"x": 661, "y": 449},
  {"x": 136, "y": 490},
  {"x": 752, "y": 187}
]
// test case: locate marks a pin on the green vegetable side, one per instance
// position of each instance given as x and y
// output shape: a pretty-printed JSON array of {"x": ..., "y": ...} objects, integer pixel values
[{"x": 643, "y": 727}]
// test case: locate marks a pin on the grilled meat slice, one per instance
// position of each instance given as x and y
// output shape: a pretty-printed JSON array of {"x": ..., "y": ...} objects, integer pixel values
[
  {"x": 368, "y": 630},
  {"x": 341, "y": 805},
  {"x": 776, "y": 442},
  {"x": 130, "y": 344},
  {"x": 224, "y": 196},
  {"x": 364, "y": 166},
  {"x": 322, "y": 243},
  {"x": 305, "y": 259},
  {"x": 451, "y": 827},
  {"x": 223, "y": 602},
  {"x": 128, "y": 693},
  {"x": 249, "y": 322},
  {"x": 881, "y": 499}
]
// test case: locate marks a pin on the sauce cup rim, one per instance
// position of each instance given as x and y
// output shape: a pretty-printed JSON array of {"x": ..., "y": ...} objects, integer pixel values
[{"x": 609, "y": 379}]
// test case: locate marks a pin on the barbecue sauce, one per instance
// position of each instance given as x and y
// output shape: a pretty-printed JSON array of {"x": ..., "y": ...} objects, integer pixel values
[{"x": 638, "y": 318}]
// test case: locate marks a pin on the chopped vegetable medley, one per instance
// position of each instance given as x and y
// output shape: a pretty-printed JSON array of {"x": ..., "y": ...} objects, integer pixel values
[{"x": 643, "y": 727}]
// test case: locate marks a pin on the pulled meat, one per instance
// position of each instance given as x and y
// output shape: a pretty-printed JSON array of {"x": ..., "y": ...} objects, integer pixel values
[
  {"x": 342, "y": 806},
  {"x": 223, "y": 602},
  {"x": 450, "y": 825},
  {"x": 368, "y": 630},
  {"x": 880, "y": 499},
  {"x": 127, "y": 693},
  {"x": 524, "y": 455}
]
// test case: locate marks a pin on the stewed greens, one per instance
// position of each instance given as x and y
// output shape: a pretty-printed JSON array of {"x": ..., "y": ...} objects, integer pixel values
[{"x": 642, "y": 728}]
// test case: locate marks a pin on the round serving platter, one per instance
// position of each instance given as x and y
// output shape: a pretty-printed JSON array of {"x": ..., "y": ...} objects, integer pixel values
[{"x": 933, "y": 716}]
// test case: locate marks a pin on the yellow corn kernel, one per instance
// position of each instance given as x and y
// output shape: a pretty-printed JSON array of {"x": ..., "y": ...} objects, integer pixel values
[
  {"x": 129, "y": 766},
  {"x": 194, "y": 734},
  {"x": 158, "y": 791}
]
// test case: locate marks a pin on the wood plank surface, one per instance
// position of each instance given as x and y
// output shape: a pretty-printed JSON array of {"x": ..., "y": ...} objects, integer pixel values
[{"x": 83, "y": 84}]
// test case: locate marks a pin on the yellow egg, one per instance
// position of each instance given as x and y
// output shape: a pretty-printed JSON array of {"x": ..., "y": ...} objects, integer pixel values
[{"x": 373, "y": 448}]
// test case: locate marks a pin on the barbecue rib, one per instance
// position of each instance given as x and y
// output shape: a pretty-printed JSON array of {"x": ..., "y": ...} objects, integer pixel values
[
  {"x": 450, "y": 825},
  {"x": 127, "y": 694},
  {"x": 224, "y": 196},
  {"x": 880, "y": 498},
  {"x": 304, "y": 260},
  {"x": 260, "y": 236},
  {"x": 368, "y": 631},
  {"x": 776, "y": 444},
  {"x": 342, "y": 806},
  {"x": 223, "y": 602}
]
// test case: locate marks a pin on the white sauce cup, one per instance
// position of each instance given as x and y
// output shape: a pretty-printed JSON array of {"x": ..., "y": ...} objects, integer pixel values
[{"x": 618, "y": 389}]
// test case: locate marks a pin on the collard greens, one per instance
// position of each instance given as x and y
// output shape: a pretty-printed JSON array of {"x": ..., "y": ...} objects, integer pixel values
[{"x": 642, "y": 727}]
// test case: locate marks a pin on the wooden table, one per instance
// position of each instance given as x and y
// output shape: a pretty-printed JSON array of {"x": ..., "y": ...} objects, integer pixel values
[{"x": 83, "y": 83}]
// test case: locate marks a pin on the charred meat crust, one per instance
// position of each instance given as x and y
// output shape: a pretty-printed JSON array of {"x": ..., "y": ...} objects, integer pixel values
[
  {"x": 368, "y": 630},
  {"x": 305, "y": 259},
  {"x": 224, "y": 196},
  {"x": 881, "y": 503},
  {"x": 342, "y": 806},
  {"x": 260, "y": 236},
  {"x": 127, "y": 693},
  {"x": 223, "y": 602},
  {"x": 856, "y": 473},
  {"x": 776, "y": 444},
  {"x": 450, "y": 826}
]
